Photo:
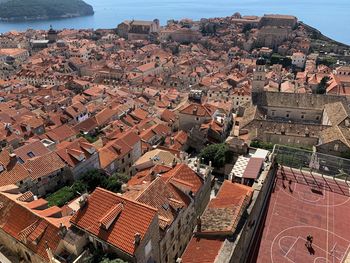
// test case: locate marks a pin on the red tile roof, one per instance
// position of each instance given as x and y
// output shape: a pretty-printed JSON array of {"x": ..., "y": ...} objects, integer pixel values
[
  {"x": 37, "y": 148},
  {"x": 13, "y": 172},
  {"x": 253, "y": 168},
  {"x": 134, "y": 218},
  {"x": 139, "y": 114},
  {"x": 168, "y": 116},
  {"x": 165, "y": 199},
  {"x": 68, "y": 151},
  {"x": 199, "y": 110},
  {"x": 202, "y": 250},
  {"x": 182, "y": 174},
  {"x": 38, "y": 166},
  {"x": 32, "y": 230},
  {"x": 61, "y": 133},
  {"x": 224, "y": 211}
]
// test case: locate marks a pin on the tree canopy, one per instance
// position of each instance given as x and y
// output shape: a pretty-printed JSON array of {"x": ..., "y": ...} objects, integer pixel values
[
  {"x": 322, "y": 86},
  {"x": 32, "y": 9},
  {"x": 218, "y": 154},
  {"x": 87, "y": 183}
]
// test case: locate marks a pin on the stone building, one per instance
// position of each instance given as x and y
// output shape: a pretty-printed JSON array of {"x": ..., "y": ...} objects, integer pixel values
[
  {"x": 296, "y": 119},
  {"x": 137, "y": 29},
  {"x": 278, "y": 20}
]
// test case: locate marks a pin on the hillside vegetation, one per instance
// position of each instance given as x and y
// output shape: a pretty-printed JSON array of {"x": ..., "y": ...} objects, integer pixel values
[{"x": 43, "y": 9}]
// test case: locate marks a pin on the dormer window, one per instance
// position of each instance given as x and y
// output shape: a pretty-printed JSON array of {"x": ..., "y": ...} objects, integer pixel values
[
  {"x": 31, "y": 154},
  {"x": 2, "y": 168}
]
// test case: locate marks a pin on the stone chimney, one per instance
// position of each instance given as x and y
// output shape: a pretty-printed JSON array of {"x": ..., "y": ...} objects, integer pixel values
[
  {"x": 137, "y": 239},
  {"x": 62, "y": 230},
  {"x": 153, "y": 175},
  {"x": 174, "y": 163},
  {"x": 195, "y": 109}
]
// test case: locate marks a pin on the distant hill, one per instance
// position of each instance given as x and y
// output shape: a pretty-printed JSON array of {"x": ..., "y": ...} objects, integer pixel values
[{"x": 14, "y": 10}]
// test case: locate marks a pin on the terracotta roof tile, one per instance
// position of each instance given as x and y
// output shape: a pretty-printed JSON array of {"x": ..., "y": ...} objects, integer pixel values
[
  {"x": 31, "y": 230},
  {"x": 38, "y": 166},
  {"x": 202, "y": 250},
  {"x": 183, "y": 173},
  {"x": 134, "y": 218}
]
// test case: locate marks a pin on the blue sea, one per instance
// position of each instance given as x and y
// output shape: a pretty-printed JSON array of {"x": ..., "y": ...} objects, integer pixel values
[{"x": 331, "y": 17}]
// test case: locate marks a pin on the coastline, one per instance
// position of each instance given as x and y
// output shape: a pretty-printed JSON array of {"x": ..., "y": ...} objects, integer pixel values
[{"x": 43, "y": 18}]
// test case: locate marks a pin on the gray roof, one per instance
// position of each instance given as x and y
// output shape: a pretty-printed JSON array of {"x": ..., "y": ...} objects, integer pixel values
[
  {"x": 296, "y": 100},
  {"x": 337, "y": 112}
]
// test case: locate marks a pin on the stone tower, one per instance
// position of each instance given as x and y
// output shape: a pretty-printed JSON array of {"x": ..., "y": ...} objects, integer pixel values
[
  {"x": 259, "y": 79},
  {"x": 52, "y": 35}
]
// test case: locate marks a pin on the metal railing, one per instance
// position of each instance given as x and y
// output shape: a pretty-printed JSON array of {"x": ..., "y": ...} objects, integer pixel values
[{"x": 323, "y": 164}]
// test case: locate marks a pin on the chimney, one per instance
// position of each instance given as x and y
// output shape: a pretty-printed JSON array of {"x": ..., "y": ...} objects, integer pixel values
[
  {"x": 174, "y": 163},
  {"x": 124, "y": 188},
  {"x": 13, "y": 156},
  {"x": 153, "y": 175},
  {"x": 62, "y": 230},
  {"x": 195, "y": 109},
  {"x": 13, "y": 159},
  {"x": 83, "y": 200},
  {"x": 199, "y": 224},
  {"x": 137, "y": 239}
]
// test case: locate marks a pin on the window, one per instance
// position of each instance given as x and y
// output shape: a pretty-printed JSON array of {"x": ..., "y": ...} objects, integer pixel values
[
  {"x": 302, "y": 116},
  {"x": 123, "y": 160},
  {"x": 31, "y": 154},
  {"x": 129, "y": 155},
  {"x": 172, "y": 234},
  {"x": 287, "y": 115},
  {"x": 197, "y": 119}
]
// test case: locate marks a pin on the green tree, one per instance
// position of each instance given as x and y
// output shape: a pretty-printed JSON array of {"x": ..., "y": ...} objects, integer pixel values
[
  {"x": 328, "y": 61},
  {"x": 114, "y": 183},
  {"x": 61, "y": 197},
  {"x": 19, "y": 9},
  {"x": 278, "y": 59},
  {"x": 94, "y": 178},
  {"x": 218, "y": 154},
  {"x": 322, "y": 86}
]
